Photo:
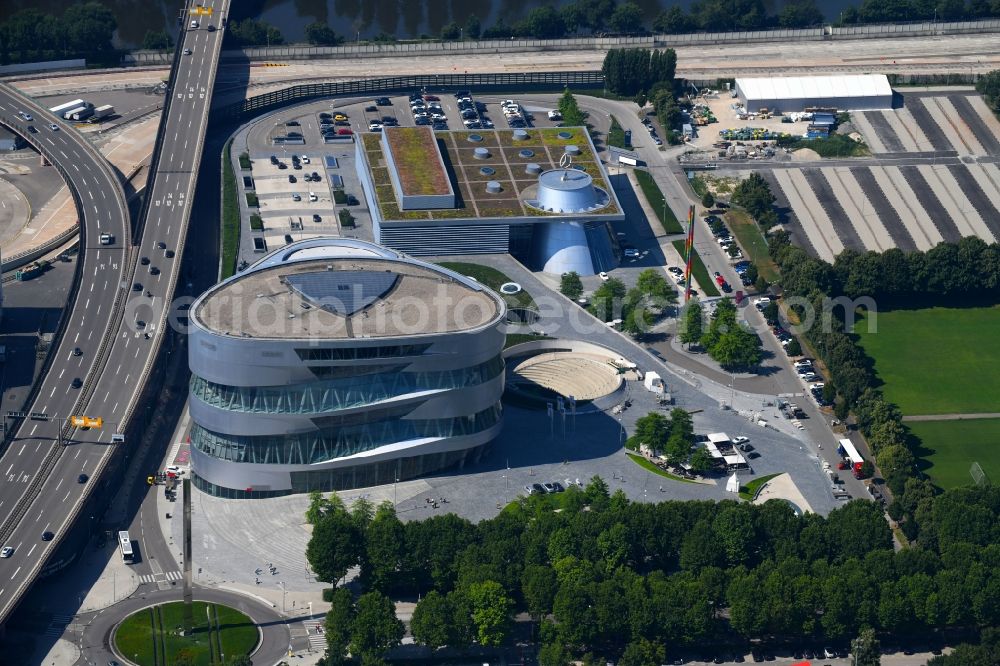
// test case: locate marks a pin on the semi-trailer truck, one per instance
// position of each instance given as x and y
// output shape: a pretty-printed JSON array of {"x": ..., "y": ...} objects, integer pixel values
[
  {"x": 847, "y": 450},
  {"x": 80, "y": 113},
  {"x": 101, "y": 112},
  {"x": 68, "y": 106}
]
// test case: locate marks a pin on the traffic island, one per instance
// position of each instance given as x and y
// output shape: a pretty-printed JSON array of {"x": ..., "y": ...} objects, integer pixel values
[{"x": 155, "y": 635}]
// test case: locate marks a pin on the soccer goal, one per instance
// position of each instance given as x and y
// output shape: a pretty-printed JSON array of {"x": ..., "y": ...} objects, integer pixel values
[{"x": 978, "y": 475}]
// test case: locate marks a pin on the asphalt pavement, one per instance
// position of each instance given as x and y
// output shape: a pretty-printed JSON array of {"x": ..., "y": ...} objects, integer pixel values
[{"x": 44, "y": 494}]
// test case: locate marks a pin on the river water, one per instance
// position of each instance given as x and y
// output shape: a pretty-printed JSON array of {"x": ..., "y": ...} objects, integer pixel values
[{"x": 352, "y": 19}]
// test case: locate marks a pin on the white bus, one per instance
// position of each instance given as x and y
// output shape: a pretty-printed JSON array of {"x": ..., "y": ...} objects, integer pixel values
[{"x": 125, "y": 545}]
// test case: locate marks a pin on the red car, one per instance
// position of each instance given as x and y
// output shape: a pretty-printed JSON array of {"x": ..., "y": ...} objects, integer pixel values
[
  {"x": 431, "y": 98},
  {"x": 344, "y": 131},
  {"x": 720, "y": 280}
]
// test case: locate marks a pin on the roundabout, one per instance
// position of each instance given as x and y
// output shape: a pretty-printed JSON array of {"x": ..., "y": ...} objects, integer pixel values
[{"x": 155, "y": 635}]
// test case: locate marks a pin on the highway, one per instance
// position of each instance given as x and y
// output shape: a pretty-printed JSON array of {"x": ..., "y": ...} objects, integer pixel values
[{"x": 132, "y": 338}]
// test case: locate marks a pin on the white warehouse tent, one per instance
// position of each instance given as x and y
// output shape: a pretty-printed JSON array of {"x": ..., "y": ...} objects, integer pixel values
[{"x": 848, "y": 92}]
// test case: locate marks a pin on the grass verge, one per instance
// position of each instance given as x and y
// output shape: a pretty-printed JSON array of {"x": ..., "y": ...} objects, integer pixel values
[
  {"x": 753, "y": 242},
  {"x": 230, "y": 216},
  {"x": 748, "y": 491},
  {"x": 151, "y": 635},
  {"x": 650, "y": 467},
  {"x": 698, "y": 271},
  {"x": 836, "y": 145},
  {"x": 950, "y": 447},
  {"x": 517, "y": 338},
  {"x": 657, "y": 202},
  {"x": 616, "y": 135},
  {"x": 492, "y": 278},
  {"x": 699, "y": 186}
]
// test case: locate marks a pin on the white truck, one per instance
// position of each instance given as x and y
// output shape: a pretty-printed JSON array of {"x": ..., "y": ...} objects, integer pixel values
[
  {"x": 68, "y": 106},
  {"x": 101, "y": 112},
  {"x": 79, "y": 113}
]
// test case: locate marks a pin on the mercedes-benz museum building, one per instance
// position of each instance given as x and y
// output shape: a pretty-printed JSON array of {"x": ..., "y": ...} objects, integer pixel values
[{"x": 335, "y": 363}]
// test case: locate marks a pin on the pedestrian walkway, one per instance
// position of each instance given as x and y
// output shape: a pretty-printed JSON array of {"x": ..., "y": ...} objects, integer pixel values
[
  {"x": 317, "y": 639},
  {"x": 161, "y": 577},
  {"x": 57, "y": 625}
]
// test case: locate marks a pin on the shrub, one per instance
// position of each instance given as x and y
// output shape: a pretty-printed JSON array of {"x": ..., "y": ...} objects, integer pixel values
[
  {"x": 252, "y": 200},
  {"x": 256, "y": 223}
]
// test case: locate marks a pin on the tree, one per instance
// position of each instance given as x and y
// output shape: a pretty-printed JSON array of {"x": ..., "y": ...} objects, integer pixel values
[
  {"x": 653, "y": 429},
  {"x": 708, "y": 200},
  {"x": 653, "y": 285},
  {"x": 737, "y": 349},
  {"x": 375, "y": 628},
  {"x": 571, "y": 113},
  {"x": 241, "y": 660},
  {"x": 383, "y": 549},
  {"x": 473, "y": 27},
  {"x": 89, "y": 27},
  {"x": 432, "y": 621},
  {"x": 643, "y": 653},
  {"x": 451, "y": 32},
  {"x": 988, "y": 85},
  {"x": 800, "y": 14},
  {"x": 701, "y": 460},
  {"x": 571, "y": 286},
  {"x": 157, "y": 40},
  {"x": 692, "y": 323},
  {"x": 335, "y": 546},
  {"x": 253, "y": 32},
  {"x": 542, "y": 23},
  {"x": 538, "y": 587},
  {"x": 337, "y": 625},
  {"x": 794, "y": 348},
  {"x": 865, "y": 649},
  {"x": 673, "y": 21},
  {"x": 492, "y": 612},
  {"x": 626, "y": 18},
  {"x": 318, "y": 33}
]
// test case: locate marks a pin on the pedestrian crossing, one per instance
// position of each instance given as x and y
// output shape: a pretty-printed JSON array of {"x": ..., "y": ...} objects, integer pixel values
[
  {"x": 317, "y": 639},
  {"x": 161, "y": 577},
  {"x": 57, "y": 625}
]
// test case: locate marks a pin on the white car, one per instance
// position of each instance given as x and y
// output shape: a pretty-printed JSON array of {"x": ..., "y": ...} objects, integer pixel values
[
  {"x": 604, "y": 276},
  {"x": 7, "y": 551},
  {"x": 54, "y": 127},
  {"x": 305, "y": 160},
  {"x": 107, "y": 239},
  {"x": 740, "y": 440},
  {"x": 374, "y": 127},
  {"x": 809, "y": 377},
  {"x": 194, "y": 24},
  {"x": 187, "y": 51},
  {"x": 555, "y": 115},
  {"x": 803, "y": 363}
]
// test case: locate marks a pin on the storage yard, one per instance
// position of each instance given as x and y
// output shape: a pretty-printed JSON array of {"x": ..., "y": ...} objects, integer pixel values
[{"x": 933, "y": 176}]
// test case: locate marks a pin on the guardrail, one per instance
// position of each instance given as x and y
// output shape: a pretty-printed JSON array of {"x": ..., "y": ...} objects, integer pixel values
[
  {"x": 488, "y": 81},
  {"x": 55, "y": 452},
  {"x": 417, "y": 48}
]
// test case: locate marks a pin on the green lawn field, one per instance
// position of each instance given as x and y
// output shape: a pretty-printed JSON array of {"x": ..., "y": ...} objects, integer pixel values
[
  {"x": 950, "y": 447},
  {"x": 150, "y": 637},
  {"x": 938, "y": 360}
]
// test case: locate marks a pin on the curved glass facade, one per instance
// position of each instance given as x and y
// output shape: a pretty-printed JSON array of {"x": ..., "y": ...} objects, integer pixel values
[
  {"x": 354, "y": 476},
  {"x": 329, "y": 395},
  {"x": 352, "y": 434}
]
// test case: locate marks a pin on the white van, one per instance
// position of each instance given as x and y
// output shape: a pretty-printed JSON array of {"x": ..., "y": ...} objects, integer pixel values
[{"x": 313, "y": 197}]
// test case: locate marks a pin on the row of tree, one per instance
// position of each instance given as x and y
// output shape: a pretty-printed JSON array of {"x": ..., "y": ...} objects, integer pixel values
[
  {"x": 629, "y": 72},
  {"x": 633, "y": 581},
  {"x": 83, "y": 29},
  {"x": 968, "y": 270},
  {"x": 988, "y": 85}
]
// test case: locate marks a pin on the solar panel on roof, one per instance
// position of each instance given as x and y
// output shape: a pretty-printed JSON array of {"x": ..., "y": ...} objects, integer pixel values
[{"x": 342, "y": 292}]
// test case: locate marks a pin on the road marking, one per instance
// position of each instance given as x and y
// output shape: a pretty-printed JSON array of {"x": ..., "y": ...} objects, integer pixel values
[
  {"x": 77, "y": 168},
  {"x": 22, "y": 449},
  {"x": 32, "y": 549},
  {"x": 61, "y": 373},
  {"x": 67, "y": 496},
  {"x": 57, "y": 486},
  {"x": 15, "y": 573},
  {"x": 78, "y": 449},
  {"x": 78, "y": 335},
  {"x": 33, "y": 429}
]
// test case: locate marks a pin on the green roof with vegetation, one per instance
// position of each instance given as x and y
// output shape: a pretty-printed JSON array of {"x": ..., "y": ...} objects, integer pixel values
[
  {"x": 465, "y": 171},
  {"x": 415, "y": 155}
]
